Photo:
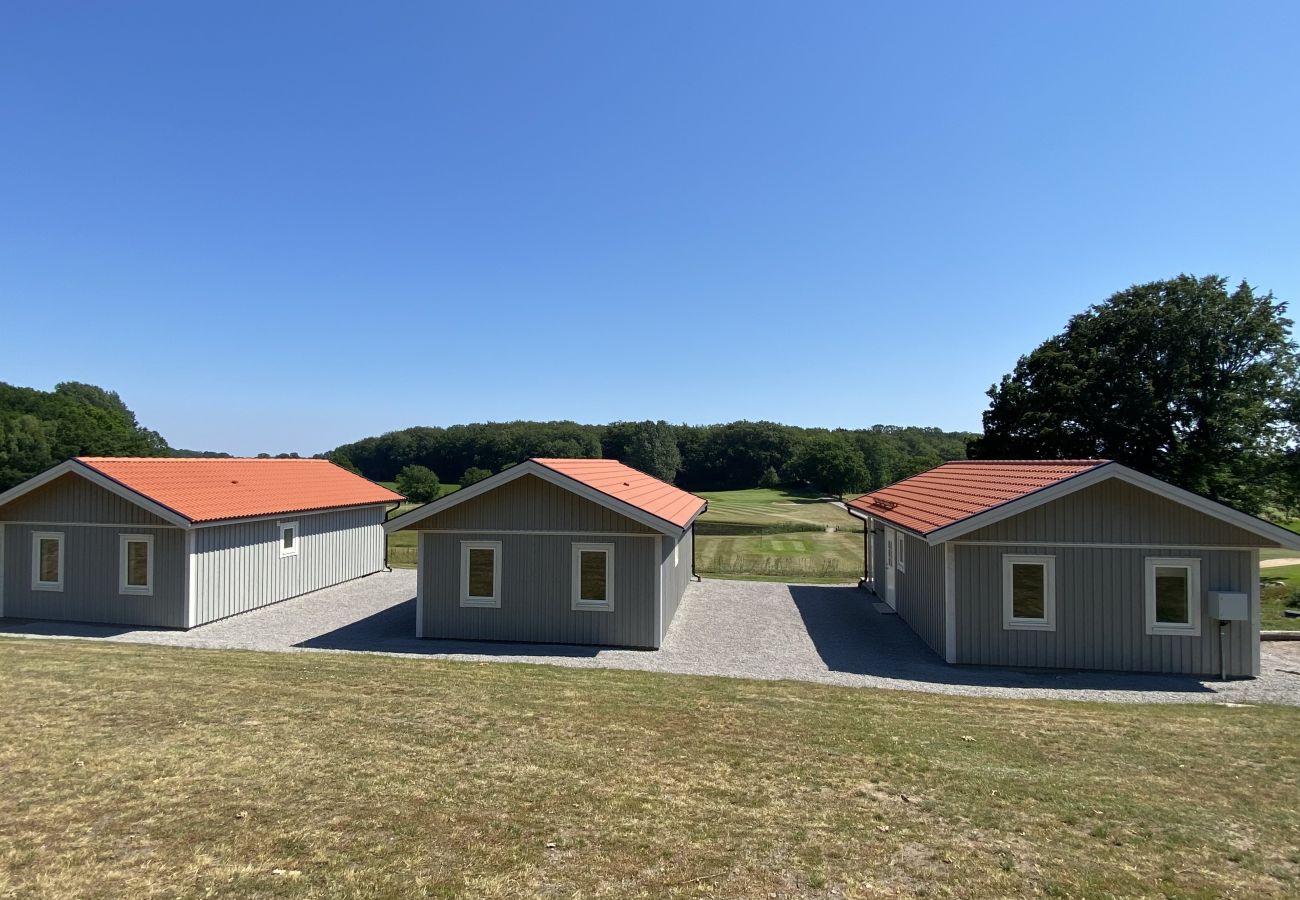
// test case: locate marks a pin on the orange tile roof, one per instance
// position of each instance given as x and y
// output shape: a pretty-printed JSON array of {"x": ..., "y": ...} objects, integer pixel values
[
  {"x": 208, "y": 490},
  {"x": 958, "y": 490},
  {"x": 636, "y": 488}
]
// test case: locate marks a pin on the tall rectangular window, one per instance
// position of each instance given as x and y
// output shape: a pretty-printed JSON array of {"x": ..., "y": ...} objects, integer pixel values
[
  {"x": 1173, "y": 596},
  {"x": 480, "y": 573},
  {"x": 135, "y": 564},
  {"x": 593, "y": 568},
  {"x": 1028, "y": 592},
  {"x": 288, "y": 539},
  {"x": 47, "y": 560}
]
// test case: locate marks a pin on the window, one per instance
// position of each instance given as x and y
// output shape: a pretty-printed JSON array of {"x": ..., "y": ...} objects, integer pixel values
[
  {"x": 288, "y": 539},
  {"x": 47, "y": 561},
  {"x": 593, "y": 565},
  {"x": 480, "y": 573},
  {"x": 899, "y": 541},
  {"x": 889, "y": 548},
  {"x": 135, "y": 564},
  {"x": 1029, "y": 593},
  {"x": 1173, "y": 596}
]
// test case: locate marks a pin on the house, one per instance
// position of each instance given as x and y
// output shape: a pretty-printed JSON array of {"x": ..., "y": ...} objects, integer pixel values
[
  {"x": 573, "y": 551},
  {"x": 179, "y": 542},
  {"x": 1079, "y": 564}
]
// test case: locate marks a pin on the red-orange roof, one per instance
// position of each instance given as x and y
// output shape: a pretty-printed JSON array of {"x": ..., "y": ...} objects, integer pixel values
[
  {"x": 958, "y": 490},
  {"x": 207, "y": 490},
  {"x": 633, "y": 487}
]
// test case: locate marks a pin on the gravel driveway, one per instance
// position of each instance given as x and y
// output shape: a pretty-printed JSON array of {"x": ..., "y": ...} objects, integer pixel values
[{"x": 826, "y": 634}]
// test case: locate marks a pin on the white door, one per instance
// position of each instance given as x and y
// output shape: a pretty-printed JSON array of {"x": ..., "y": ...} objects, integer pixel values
[{"x": 889, "y": 568}]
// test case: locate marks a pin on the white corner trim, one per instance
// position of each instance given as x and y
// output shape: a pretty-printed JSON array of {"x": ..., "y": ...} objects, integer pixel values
[
  {"x": 949, "y": 603},
  {"x": 529, "y": 467},
  {"x": 1195, "y": 606},
  {"x": 37, "y": 583},
  {"x": 660, "y": 560},
  {"x": 1010, "y": 622},
  {"x": 578, "y": 602},
  {"x": 191, "y": 580},
  {"x": 124, "y": 541},
  {"x": 2, "y": 570},
  {"x": 466, "y": 599}
]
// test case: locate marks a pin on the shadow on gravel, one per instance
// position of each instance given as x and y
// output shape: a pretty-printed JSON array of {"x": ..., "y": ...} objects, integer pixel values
[
  {"x": 46, "y": 628},
  {"x": 392, "y": 630},
  {"x": 850, "y": 636}
]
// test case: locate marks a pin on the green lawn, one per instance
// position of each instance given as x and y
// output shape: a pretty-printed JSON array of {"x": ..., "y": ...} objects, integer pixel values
[
  {"x": 135, "y": 771},
  {"x": 1273, "y": 598},
  {"x": 777, "y": 535}
]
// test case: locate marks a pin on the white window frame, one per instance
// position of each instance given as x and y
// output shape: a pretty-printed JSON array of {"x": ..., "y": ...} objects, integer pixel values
[
  {"x": 297, "y": 536},
  {"x": 37, "y": 537},
  {"x": 1012, "y": 622},
  {"x": 145, "y": 590},
  {"x": 899, "y": 540},
  {"x": 493, "y": 602},
  {"x": 1194, "y": 604},
  {"x": 606, "y": 605}
]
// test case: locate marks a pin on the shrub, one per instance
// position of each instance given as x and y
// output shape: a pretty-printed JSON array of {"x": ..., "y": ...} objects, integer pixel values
[
  {"x": 473, "y": 475},
  {"x": 418, "y": 483}
]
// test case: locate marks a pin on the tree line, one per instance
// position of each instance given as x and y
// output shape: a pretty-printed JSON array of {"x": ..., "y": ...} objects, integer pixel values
[{"x": 696, "y": 457}]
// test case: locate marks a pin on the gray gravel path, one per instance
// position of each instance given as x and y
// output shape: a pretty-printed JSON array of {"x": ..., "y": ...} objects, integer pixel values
[{"x": 826, "y": 634}]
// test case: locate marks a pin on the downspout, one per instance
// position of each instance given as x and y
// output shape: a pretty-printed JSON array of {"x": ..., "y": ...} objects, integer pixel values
[
  {"x": 388, "y": 515},
  {"x": 694, "y": 576}
]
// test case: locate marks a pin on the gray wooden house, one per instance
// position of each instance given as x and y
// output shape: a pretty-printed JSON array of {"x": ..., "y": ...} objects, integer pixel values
[
  {"x": 574, "y": 551},
  {"x": 1075, "y": 564},
  {"x": 176, "y": 543}
]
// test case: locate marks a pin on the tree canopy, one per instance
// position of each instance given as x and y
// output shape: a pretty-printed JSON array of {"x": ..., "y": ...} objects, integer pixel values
[
  {"x": 1183, "y": 379},
  {"x": 39, "y": 429},
  {"x": 695, "y": 457},
  {"x": 418, "y": 483}
]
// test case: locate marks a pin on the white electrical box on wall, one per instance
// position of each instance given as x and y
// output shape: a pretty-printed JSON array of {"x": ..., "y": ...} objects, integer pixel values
[{"x": 1228, "y": 607}]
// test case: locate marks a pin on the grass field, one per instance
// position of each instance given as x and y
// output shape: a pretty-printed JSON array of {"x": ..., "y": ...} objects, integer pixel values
[
  {"x": 1273, "y": 599},
  {"x": 401, "y": 546},
  {"x": 156, "y": 772},
  {"x": 777, "y": 535}
]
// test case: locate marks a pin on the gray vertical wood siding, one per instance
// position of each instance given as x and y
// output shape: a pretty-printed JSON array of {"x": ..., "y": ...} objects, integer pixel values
[
  {"x": 919, "y": 590},
  {"x": 71, "y": 498},
  {"x": 1100, "y": 612},
  {"x": 536, "y": 586},
  {"x": 675, "y": 578},
  {"x": 91, "y": 585},
  {"x": 238, "y": 567},
  {"x": 537, "y": 524}
]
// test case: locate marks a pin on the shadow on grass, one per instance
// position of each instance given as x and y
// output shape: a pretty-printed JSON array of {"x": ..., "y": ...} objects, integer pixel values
[
  {"x": 850, "y": 636},
  {"x": 392, "y": 630}
]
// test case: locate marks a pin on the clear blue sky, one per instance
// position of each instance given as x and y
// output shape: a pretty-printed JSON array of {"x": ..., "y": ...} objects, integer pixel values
[{"x": 282, "y": 226}]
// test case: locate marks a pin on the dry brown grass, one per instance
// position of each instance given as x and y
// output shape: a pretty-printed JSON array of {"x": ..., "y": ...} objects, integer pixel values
[{"x": 145, "y": 771}]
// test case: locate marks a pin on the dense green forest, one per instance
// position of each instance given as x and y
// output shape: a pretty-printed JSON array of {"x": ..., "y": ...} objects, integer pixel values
[
  {"x": 696, "y": 457},
  {"x": 41, "y": 428}
]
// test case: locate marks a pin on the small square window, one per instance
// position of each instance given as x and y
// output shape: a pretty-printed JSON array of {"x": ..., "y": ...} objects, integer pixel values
[
  {"x": 480, "y": 573},
  {"x": 288, "y": 539},
  {"x": 47, "y": 560},
  {"x": 593, "y": 568}
]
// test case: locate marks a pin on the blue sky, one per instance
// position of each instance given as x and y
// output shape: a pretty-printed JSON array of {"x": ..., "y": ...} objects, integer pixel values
[{"x": 285, "y": 226}]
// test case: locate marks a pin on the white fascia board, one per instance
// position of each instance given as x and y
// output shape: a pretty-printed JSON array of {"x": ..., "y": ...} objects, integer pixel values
[
  {"x": 96, "y": 478},
  {"x": 1266, "y": 530},
  {"x": 442, "y": 504}
]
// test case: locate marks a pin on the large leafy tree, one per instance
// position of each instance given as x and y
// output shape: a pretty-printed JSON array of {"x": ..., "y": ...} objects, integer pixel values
[
  {"x": 832, "y": 463},
  {"x": 1183, "y": 379},
  {"x": 648, "y": 446}
]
